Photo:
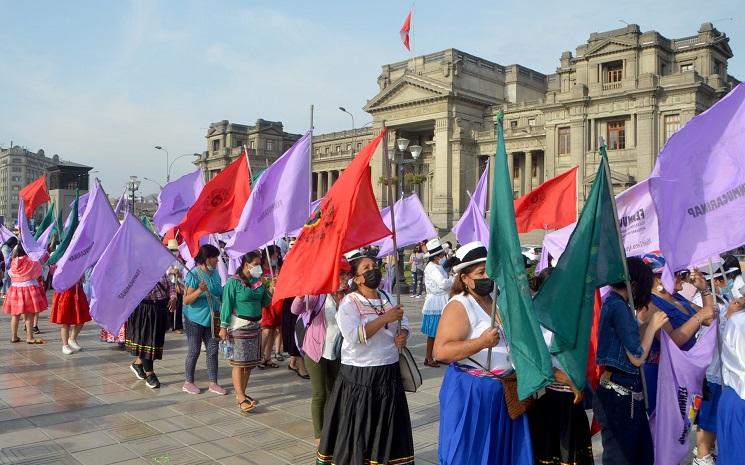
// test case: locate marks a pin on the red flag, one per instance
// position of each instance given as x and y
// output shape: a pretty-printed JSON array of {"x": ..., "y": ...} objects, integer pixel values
[
  {"x": 347, "y": 218},
  {"x": 593, "y": 370},
  {"x": 218, "y": 207},
  {"x": 33, "y": 195},
  {"x": 405, "y": 29},
  {"x": 552, "y": 205}
]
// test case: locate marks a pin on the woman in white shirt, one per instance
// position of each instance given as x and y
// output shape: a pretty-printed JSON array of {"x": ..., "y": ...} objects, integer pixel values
[
  {"x": 475, "y": 426},
  {"x": 731, "y": 409},
  {"x": 438, "y": 283},
  {"x": 367, "y": 416}
]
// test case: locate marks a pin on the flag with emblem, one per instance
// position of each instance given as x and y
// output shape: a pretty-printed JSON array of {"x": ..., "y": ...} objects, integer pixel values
[
  {"x": 219, "y": 205},
  {"x": 347, "y": 219}
]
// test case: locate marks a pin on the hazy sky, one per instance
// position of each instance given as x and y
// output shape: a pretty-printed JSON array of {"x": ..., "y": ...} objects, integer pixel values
[{"x": 102, "y": 82}]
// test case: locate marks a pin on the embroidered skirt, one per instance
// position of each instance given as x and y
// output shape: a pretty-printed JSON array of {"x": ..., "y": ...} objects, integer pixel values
[
  {"x": 246, "y": 345},
  {"x": 70, "y": 307},
  {"x": 367, "y": 419},
  {"x": 475, "y": 427},
  {"x": 25, "y": 298},
  {"x": 560, "y": 431},
  {"x": 146, "y": 329}
]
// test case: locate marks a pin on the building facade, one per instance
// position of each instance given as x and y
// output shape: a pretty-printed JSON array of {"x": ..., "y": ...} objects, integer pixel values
[
  {"x": 634, "y": 89},
  {"x": 18, "y": 167}
]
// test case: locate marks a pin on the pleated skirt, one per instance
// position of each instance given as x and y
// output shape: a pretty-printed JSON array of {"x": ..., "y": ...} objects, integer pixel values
[
  {"x": 366, "y": 420},
  {"x": 70, "y": 307},
  {"x": 730, "y": 428},
  {"x": 475, "y": 428},
  {"x": 146, "y": 329}
]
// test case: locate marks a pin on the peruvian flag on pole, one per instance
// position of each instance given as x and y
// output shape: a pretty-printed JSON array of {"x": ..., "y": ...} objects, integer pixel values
[{"x": 405, "y": 29}]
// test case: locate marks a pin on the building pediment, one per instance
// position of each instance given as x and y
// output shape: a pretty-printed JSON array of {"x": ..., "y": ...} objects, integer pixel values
[
  {"x": 407, "y": 90},
  {"x": 608, "y": 46}
]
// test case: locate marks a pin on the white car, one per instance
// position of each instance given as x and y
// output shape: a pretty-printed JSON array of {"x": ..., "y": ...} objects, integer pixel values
[{"x": 532, "y": 252}]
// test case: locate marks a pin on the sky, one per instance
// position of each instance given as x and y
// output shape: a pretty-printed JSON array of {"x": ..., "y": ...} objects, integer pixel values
[{"x": 103, "y": 82}]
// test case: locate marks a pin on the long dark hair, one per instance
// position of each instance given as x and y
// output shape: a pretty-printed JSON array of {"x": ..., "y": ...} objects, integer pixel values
[
  {"x": 206, "y": 251},
  {"x": 248, "y": 258},
  {"x": 642, "y": 280},
  {"x": 730, "y": 261},
  {"x": 355, "y": 264},
  {"x": 11, "y": 242}
]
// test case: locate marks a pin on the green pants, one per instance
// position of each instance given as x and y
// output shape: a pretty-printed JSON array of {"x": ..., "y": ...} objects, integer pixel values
[{"x": 322, "y": 379}]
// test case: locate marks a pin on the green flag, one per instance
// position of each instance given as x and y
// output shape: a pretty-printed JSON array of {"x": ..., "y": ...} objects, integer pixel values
[
  {"x": 505, "y": 265},
  {"x": 594, "y": 257},
  {"x": 149, "y": 225},
  {"x": 46, "y": 221},
  {"x": 67, "y": 235}
]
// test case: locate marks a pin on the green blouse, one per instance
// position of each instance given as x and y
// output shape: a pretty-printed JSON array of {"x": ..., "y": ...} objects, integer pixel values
[{"x": 245, "y": 301}]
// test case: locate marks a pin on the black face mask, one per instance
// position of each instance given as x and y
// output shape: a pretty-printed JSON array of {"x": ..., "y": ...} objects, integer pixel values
[
  {"x": 373, "y": 278},
  {"x": 483, "y": 287}
]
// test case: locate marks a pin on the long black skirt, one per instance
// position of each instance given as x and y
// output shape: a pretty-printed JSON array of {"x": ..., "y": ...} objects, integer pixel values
[
  {"x": 559, "y": 430},
  {"x": 146, "y": 329},
  {"x": 367, "y": 419},
  {"x": 288, "y": 329}
]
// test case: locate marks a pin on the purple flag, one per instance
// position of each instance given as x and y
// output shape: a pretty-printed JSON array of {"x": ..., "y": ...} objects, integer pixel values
[
  {"x": 175, "y": 200},
  {"x": 412, "y": 225},
  {"x": 313, "y": 205},
  {"x": 698, "y": 186},
  {"x": 97, "y": 226},
  {"x": 276, "y": 204},
  {"x": 479, "y": 195},
  {"x": 35, "y": 248},
  {"x": 121, "y": 278},
  {"x": 679, "y": 388},
  {"x": 121, "y": 203},
  {"x": 637, "y": 218},
  {"x": 472, "y": 225},
  {"x": 5, "y": 234}
]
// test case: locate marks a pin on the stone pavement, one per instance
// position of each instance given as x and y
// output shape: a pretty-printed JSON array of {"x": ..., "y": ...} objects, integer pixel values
[{"x": 88, "y": 408}]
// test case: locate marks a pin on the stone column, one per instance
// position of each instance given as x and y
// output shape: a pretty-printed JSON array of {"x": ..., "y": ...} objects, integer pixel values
[
  {"x": 443, "y": 173},
  {"x": 528, "y": 173}
]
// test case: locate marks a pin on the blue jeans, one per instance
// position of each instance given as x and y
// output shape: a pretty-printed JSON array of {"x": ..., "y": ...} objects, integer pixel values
[{"x": 417, "y": 282}]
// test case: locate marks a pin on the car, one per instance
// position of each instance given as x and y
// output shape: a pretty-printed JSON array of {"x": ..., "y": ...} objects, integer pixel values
[{"x": 532, "y": 252}]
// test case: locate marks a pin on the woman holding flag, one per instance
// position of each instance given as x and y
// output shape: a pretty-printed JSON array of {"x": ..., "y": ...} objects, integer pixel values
[
  {"x": 25, "y": 295},
  {"x": 471, "y": 393}
]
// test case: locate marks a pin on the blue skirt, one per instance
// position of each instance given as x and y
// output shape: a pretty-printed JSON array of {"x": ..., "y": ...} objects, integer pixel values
[
  {"x": 730, "y": 428},
  {"x": 707, "y": 414},
  {"x": 475, "y": 428},
  {"x": 429, "y": 324}
]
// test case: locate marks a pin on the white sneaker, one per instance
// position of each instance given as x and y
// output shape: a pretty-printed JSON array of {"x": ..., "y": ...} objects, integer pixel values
[
  {"x": 74, "y": 345},
  {"x": 707, "y": 460},
  {"x": 67, "y": 350}
]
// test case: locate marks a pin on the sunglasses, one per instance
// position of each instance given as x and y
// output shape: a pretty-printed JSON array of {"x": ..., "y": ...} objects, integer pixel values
[{"x": 683, "y": 275}]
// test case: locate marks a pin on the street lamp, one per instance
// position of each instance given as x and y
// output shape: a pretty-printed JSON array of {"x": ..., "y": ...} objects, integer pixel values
[
  {"x": 351, "y": 115},
  {"x": 153, "y": 181},
  {"x": 133, "y": 185},
  {"x": 168, "y": 175}
]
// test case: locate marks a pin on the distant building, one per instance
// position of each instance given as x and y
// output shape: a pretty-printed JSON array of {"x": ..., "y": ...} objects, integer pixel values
[{"x": 65, "y": 178}]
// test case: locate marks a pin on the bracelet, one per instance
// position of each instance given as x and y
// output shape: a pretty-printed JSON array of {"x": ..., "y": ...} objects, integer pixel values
[
  {"x": 700, "y": 323},
  {"x": 705, "y": 293}
]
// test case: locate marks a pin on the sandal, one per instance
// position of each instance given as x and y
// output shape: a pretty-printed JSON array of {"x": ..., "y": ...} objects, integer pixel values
[
  {"x": 250, "y": 405},
  {"x": 35, "y": 341},
  {"x": 279, "y": 357},
  {"x": 272, "y": 365},
  {"x": 292, "y": 368},
  {"x": 432, "y": 363},
  {"x": 304, "y": 376},
  {"x": 262, "y": 365},
  {"x": 13, "y": 341}
]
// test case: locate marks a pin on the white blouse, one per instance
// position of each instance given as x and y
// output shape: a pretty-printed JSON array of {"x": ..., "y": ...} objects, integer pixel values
[
  {"x": 438, "y": 285},
  {"x": 733, "y": 354},
  {"x": 480, "y": 321},
  {"x": 355, "y": 311},
  {"x": 332, "y": 329}
]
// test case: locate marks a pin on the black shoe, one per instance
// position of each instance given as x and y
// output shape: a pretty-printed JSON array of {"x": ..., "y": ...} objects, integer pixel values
[
  {"x": 138, "y": 370},
  {"x": 37, "y": 330},
  {"x": 152, "y": 381}
]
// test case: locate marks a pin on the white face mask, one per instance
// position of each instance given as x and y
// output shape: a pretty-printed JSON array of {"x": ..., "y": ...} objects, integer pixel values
[{"x": 256, "y": 271}]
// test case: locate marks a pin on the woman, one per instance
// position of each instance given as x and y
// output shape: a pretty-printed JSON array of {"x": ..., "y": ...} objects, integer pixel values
[
  {"x": 731, "y": 410},
  {"x": 70, "y": 311},
  {"x": 7, "y": 251},
  {"x": 471, "y": 393},
  {"x": 319, "y": 316},
  {"x": 271, "y": 314},
  {"x": 685, "y": 318},
  {"x": 289, "y": 319},
  {"x": 618, "y": 403},
  {"x": 175, "y": 274},
  {"x": 559, "y": 429},
  {"x": 240, "y": 316},
  {"x": 202, "y": 295},
  {"x": 367, "y": 416},
  {"x": 438, "y": 284},
  {"x": 416, "y": 260},
  {"x": 738, "y": 283},
  {"x": 26, "y": 295},
  {"x": 146, "y": 330}
]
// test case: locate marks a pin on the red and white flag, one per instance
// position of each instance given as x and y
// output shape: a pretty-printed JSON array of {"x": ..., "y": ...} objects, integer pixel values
[{"x": 405, "y": 29}]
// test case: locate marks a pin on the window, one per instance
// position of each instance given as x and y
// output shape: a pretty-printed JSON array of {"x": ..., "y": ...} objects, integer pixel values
[
  {"x": 613, "y": 71},
  {"x": 16, "y": 169},
  {"x": 531, "y": 122},
  {"x": 359, "y": 146},
  {"x": 616, "y": 135},
  {"x": 338, "y": 148},
  {"x": 16, "y": 178},
  {"x": 513, "y": 124},
  {"x": 251, "y": 144},
  {"x": 318, "y": 151},
  {"x": 515, "y": 172},
  {"x": 327, "y": 150},
  {"x": 240, "y": 143},
  {"x": 564, "y": 141},
  {"x": 686, "y": 67},
  {"x": 216, "y": 145},
  {"x": 349, "y": 147},
  {"x": 672, "y": 124},
  {"x": 269, "y": 145}
]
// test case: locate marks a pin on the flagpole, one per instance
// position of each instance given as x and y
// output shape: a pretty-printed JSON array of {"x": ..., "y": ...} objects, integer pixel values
[
  {"x": 632, "y": 308},
  {"x": 495, "y": 293},
  {"x": 393, "y": 227},
  {"x": 310, "y": 187},
  {"x": 716, "y": 310}
]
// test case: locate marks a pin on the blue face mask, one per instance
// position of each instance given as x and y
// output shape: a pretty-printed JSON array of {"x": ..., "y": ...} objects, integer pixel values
[{"x": 727, "y": 290}]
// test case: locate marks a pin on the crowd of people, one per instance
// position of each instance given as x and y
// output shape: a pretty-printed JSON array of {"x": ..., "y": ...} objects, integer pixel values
[{"x": 348, "y": 342}]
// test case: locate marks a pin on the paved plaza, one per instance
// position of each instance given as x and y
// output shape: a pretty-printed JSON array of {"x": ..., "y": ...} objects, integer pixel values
[{"x": 88, "y": 408}]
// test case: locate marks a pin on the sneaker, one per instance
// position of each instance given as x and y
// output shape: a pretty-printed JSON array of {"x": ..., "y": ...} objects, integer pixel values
[
  {"x": 190, "y": 388},
  {"x": 67, "y": 350},
  {"x": 152, "y": 381},
  {"x": 138, "y": 370},
  {"x": 37, "y": 330},
  {"x": 74, "y": 345},
  {"x": 706, "y": 460},
  {"x": 217, "y": 389}
]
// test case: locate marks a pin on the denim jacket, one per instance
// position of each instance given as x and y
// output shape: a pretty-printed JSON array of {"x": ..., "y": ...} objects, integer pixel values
[{"x": 618, "y": 333}]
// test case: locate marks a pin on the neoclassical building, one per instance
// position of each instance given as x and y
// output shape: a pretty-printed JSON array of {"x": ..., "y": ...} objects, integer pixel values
[{"x": 634, "y": 89}]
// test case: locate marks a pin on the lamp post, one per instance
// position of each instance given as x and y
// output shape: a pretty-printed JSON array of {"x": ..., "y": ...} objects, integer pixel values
[
  {"x": 133, "y": 185},
  {"x": 153, "y": 181},
  {"x": 350, "y": 115},
  {"x": 168, "y": 174}
]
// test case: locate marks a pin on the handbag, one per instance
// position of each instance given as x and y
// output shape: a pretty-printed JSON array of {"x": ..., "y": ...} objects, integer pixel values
[
  {"x": 515, "y": 406},
  {"x": 411, "y": 377}
]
